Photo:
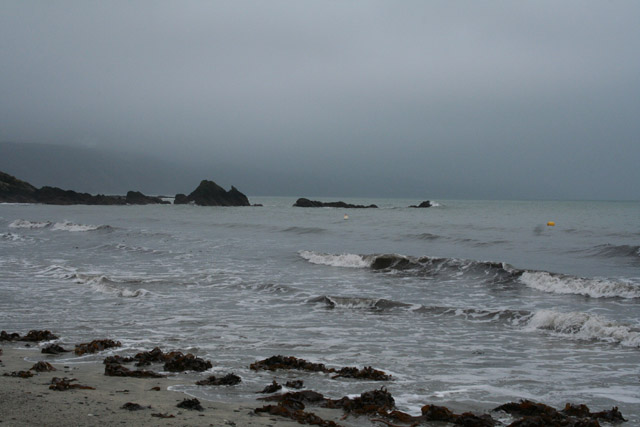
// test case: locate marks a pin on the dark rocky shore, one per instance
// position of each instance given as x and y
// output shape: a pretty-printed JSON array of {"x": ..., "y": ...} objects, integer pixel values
[
  {"x": 378, "y": 405},
  {"x": 208, "y": 193}
]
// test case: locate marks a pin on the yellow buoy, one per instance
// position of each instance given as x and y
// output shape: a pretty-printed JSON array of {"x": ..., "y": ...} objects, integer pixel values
[{"x": 551, "y": 224}]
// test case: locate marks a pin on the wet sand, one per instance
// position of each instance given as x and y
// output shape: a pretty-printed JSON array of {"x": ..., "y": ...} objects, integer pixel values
[{"x": 30, "y": 402}]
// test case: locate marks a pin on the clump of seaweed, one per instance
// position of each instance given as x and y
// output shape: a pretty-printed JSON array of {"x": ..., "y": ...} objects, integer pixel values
[
  {"x": 31, "y": 336},
  {"x": 290, "y": 362},
  {"x": 62, "y": 384},
  {"x": 96, "y": 346},
  {"x": 229, "y": 379}
]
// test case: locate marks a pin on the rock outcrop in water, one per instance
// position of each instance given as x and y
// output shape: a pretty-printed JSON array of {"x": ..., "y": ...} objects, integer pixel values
[
  {"x": 209, "y": 193},
  {"x": 13, "y": 190},
  {"x": 306, "y": 203},
  {"x": 425, "y": 204}
]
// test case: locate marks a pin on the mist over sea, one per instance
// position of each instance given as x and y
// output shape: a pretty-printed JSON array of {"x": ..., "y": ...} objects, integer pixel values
[{"x": 468, "y": 304}]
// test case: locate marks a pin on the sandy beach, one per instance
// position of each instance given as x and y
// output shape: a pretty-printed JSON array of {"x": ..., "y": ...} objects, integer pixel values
[{"x": 30, "y": 402}]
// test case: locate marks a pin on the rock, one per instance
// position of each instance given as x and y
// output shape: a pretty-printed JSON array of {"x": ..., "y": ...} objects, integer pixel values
[
  {"x": 193, "y": 404},
  {"x": 367, "y": 373},
  {"x": 271, "y": 388},
  {"x": 96, "y": 346},
  {"x": 229, "y": 379},
  {"x": 13, "y": 190},
  {"x": 295, "y": 384},
  {"x": 306, "y": 203},
  {"x": 54, "y": 349},
  {"x": 425, "y": 204},
  {"x": 287, "y": 362},
  {"x": 115, "y": 370},
  {"x": 32, "y": 336},
  {"x": 208, "y": 193},
  {"x": 137, "y": 198},
  {"x": 42, "y": 367},
  {"x": 180, "y": 199},
  {"x": 178, "y": 362}
]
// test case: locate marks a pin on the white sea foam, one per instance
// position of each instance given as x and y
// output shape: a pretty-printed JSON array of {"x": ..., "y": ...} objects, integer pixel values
[
  {"x": 12, "y": 237},
  {"x": 107, "y": 285},
  {"x": 69, "y": 226},
  {"x": 341, "y": 260},
  {"x": 584, "y": 326},
  {"x": 595, "y": 288},
  {"x": 23, "y": 223}
]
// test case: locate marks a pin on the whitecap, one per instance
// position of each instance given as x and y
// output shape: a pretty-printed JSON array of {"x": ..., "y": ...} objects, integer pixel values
[
  {"x": 23, "y": 223},
  {"x": 70, "y": 226},
  {"x": 341, "y": 260},
  {"x": 595, "y": 288},
  {"x": 584, "y": 326}
]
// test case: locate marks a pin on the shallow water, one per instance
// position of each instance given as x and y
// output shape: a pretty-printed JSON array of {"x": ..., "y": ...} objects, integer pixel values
[{"x": 467, "y": 304}]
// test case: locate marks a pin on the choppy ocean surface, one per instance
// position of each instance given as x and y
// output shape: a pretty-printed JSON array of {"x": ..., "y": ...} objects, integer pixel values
[{"x": 468, "y": 304}]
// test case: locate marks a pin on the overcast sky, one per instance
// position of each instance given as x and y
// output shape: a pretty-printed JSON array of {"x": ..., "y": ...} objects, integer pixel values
[{"x": 449, "y": 99}]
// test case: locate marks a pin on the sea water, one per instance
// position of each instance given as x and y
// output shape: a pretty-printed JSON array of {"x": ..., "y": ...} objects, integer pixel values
[{"x": 467, "y": 304}]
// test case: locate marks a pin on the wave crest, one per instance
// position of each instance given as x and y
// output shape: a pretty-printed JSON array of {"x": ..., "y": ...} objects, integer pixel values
[
  {"x": 23, "y": 223},
  {"x": 594, "y": 288},
  {"x": 341, "y": 260},
  {"x": 584, "y": 326}
]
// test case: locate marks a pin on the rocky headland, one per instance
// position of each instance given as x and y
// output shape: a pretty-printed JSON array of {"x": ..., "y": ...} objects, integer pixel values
[
  {"x": 208, "y": 193},
  {"x": 306, "y": 203}
]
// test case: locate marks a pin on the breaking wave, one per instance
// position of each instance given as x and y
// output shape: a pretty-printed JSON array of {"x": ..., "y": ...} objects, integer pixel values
[
  {"x": 422, "y": 266},
  {"x": 342, "y": 260},
  {"x": 70, "y": 226},
  {"x": 58, "y": 226},
  {"x": 12, "y": 237},
  {"x": 381, "y": 304},
  {"x": 98, "y": 282},
  {"x": 23, "y": 223},
  {"x": 107, "y": 285},
  {"x": 594, "y": 288},
  {"x": 491, "y": 272},
  {"x": 584, "y": 326}
]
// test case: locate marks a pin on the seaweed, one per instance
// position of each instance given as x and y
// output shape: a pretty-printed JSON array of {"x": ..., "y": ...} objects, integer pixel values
[
  {"x": 62, "y": 384},
  {"x": 192, "y": 404},
  {"x": 229, "y": 379},
  {"x": 96, "y": 346}
]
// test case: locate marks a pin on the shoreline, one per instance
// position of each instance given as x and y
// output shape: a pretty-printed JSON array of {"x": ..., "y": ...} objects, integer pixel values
[{"x": 30, "y": 402}]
